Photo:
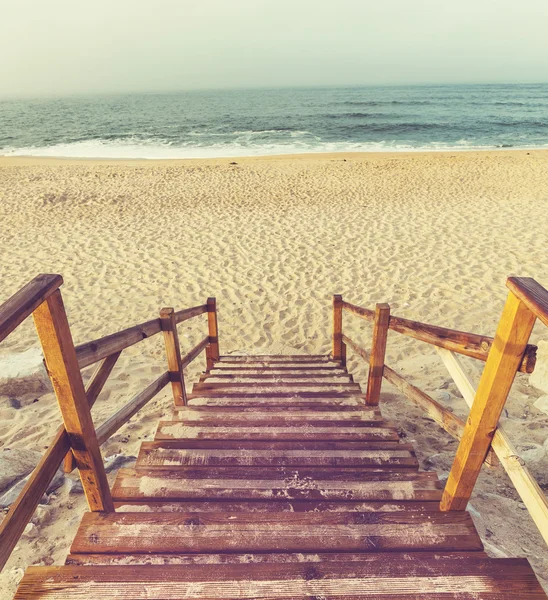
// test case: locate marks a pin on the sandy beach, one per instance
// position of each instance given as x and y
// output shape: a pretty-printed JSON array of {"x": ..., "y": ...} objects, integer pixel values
[{"x": 433, "y": 234}]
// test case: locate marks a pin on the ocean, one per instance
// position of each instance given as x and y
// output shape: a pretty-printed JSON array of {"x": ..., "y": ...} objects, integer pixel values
[{"x": 232, "y": 123}]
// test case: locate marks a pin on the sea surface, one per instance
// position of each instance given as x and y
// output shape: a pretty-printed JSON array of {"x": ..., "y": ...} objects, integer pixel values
[{"x": 230, "y": 123}]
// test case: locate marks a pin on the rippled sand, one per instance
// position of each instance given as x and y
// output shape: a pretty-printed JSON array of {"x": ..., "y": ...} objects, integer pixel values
[{"x": 435, "y": 235}]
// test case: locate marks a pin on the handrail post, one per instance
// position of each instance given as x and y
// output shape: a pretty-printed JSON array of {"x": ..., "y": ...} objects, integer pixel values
[
  {"x": 378, "y": 351},
  {"x": 502, "y": 364},
  {"x": 213, "y": 329},
  {"x": 337, "y": 327},
  {"x": 173, "y": 354},
  {"x": 62, "y": 365},
  {"x": 210, "y": 363}
]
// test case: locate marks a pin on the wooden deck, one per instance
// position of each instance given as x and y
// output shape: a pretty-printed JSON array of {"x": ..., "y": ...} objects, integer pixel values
[{"x": 277, "y": 481}]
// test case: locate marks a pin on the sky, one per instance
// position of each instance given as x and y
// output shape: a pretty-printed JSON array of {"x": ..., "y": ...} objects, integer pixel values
[{"x": 62, "y": 47}]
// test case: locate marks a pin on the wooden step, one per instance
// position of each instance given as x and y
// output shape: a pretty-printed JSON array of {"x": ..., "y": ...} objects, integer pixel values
[
  {"x": 419, "y": 577},
  {"x": 170, "y": 457},
  {"x": 279, "y": 419},
  {"x": 263, "y": 532},
  {"x": 236, "y": 559},
  {"x": 278, "y": 370},
  {"x": 275, "y": 506},
  {"x": 241, "y": 483},
  {"x": 289, "y": 394},
  {"x": 278, "y": 445},
  {"x": 261, "y": 378},
  {"x": 221, "y": 415},
  {"x": 276, "y": 358},
  {"x": 169, "y": 430},
  {"x": 267, "y": 387},
  {"x": 252, "y": 402}
]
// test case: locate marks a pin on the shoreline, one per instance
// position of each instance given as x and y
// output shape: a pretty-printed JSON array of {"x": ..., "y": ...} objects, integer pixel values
[{"x": 310, "y": 156}]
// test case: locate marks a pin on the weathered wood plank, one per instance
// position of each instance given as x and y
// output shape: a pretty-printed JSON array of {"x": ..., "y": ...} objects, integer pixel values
[
  {"x": 168, "y": 430},
  {"x": 279, "y": 369},
  {"x": 164, "y": 457},
  {"x": 276, "y": 532},
  {"x": 279, "y": 445},
  {"x": 367, "y": 484},
  {"x": 285, "y": 475},
  {"x": 419, "y": 577},
  {"x": 236, "y": 559},
  {"x": 512, "y": 335},
  {"x": 280, "y": 377},
  {"x": 220, "y": 415},
  {"x": 23, "y": 303},
  {"x": 275, "y": 506},
  {"x": 280, "y": 419},
  {"x": 289, "y": 403},
  {"x": 267, "y": 387},
  {"x": 275, "y": 358},
  {"x": 347, "y": 398}
]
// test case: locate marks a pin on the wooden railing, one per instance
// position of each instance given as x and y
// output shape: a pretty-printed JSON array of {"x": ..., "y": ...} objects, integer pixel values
[
  {"x": 482, "y": 438},
  {"x": 77, "y": 441}
]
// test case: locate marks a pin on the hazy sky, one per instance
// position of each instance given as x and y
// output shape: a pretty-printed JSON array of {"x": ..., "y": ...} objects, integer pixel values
[{"x": 57, "y": 47}]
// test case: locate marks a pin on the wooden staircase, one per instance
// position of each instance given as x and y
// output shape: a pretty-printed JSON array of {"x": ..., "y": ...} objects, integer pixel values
[{"x": 277, "y": 481}]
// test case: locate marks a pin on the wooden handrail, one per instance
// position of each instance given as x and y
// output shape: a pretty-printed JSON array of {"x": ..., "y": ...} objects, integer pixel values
[
  {"x": 468, "y": 344},
  {"x": 189, "y": 313},
  {"x": 532, "y": 294},
  {"x": 23, "y": 508},
  {"x": 94, "y": 351},
  {"x": 24, "y": 302},
  {"x": 113, "y": 423},
  {"x": 190, "y": 356},
  {"x": 77, "y": 437}
]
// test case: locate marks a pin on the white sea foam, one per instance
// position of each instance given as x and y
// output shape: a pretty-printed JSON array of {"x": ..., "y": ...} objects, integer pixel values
[{"x": 122, "y": 149}]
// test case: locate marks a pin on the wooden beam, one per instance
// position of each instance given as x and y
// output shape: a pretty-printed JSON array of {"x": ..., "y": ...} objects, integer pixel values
[
  {"x": 189, "y": 313},
  {"x": 527, "y": 487},
  {"x": 190, "y": 356},
  {"x": 93, "y": 389},
  {"x": 213, "y": 328},
  {"x": 62, "y": 365},
  {"x": 23, "y": 508},
  {"x": 173, "y": 354},
  {"x": 378, "y": 350},
  {"x": 511, "y": 339},
  {"x": 112, "y": 424},
  {"x": 337, "y": 327},
  {"x": 532, "y": 294},
  {"x": 468, "y": 344},
  {"x": 23, "y": 303},
  {"x": 92, "y": 352}
]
